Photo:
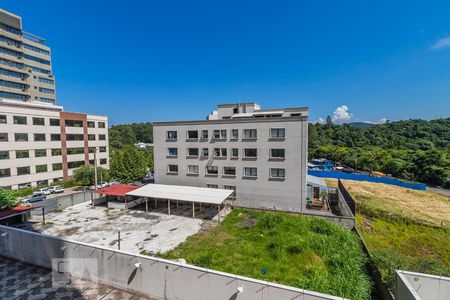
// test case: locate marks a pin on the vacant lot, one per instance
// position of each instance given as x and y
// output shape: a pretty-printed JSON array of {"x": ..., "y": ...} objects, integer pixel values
[
  {"x": 141, "y": 232},
  {"x": 306, "y": 252},
  {"x": 403, "y": 228}
]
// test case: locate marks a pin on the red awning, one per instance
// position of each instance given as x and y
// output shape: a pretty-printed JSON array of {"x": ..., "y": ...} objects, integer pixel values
[
  {"x": 116, "y": 190},
  {"x": 16, "y": 210}
]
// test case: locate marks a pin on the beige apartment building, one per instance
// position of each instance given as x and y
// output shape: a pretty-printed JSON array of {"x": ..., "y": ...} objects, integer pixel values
[
  {"x": 261, "y": 154},
  {"x": 39, "y": 142}
]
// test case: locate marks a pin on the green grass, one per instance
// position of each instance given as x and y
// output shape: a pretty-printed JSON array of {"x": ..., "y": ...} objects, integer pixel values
[
  {"x": 396, "y": 243},
  {"x": 305, "y": 252}
]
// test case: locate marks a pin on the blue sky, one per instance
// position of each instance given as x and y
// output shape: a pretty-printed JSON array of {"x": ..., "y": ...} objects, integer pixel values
[{"x": 171, "y": 60}]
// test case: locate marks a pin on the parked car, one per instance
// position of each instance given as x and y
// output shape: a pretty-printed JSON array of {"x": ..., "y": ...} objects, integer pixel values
[
  {"x": 113, "y": 182},
  {"x": 44, "y": 191},
  {"x": 35, "y": 197},
  {"x": 56, "y": 189}
]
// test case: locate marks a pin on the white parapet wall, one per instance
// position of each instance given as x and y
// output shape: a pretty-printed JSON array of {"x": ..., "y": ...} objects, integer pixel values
[
  {"x": 418, "y": 286},
  {"x": 155, "y": 277}
]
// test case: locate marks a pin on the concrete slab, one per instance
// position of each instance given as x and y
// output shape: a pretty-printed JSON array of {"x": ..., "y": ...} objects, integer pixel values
[{"x": 140, "y": 231}]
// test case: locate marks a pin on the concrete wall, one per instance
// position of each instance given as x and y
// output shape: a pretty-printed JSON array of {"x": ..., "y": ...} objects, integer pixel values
[
  {"x": 411, "y": 286},
  {"x": 158, "y": 278},
  {"x": 261, "y": 191},
  {"x": 61, "y": 202}
]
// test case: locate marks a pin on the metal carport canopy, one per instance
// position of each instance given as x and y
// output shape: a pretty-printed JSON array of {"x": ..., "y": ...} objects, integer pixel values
[{"x": 182, "y": 193}]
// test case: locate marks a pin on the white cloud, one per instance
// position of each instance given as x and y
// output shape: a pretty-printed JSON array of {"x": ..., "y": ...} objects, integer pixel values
[
  {"x": 320, "y": 121},
  {"x": 441, "y": 44},
  {"x": 341, "y": 114}
]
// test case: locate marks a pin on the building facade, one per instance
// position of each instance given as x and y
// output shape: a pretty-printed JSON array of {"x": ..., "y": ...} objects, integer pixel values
[
  {"x": 261, "y": 154},
  {"x": 25, "y": 63},
  {"x": 39, "y": 142}
]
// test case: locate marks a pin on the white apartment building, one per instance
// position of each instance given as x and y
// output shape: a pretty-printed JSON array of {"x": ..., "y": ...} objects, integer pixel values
[
  {"x": 39, "y": 142},
  {"x": 261, "y": 154}
]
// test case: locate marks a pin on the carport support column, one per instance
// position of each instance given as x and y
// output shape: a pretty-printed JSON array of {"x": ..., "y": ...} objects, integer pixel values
[
  {"x": 168, "y": 205},
  {"x": 146, "y": 204},
  {"x": 218, "y": 215},
  {"x": 156, "y": 203},
  {"x": 193, "y": 210}
]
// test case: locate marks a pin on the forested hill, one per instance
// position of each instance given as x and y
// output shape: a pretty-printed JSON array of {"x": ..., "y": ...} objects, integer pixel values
[
  {"x": 130, "y": 134},
  {"x": 410, "y": 134},
  {"x": 412, "y": 149}
]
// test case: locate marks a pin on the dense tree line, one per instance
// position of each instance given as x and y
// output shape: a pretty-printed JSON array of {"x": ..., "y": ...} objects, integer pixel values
[
  {"x": 130, "y": 134},
  {"x": 413, "y": 149}
]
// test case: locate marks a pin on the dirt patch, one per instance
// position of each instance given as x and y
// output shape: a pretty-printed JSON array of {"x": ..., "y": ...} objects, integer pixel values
[
  {"x": 69, "y": 231},
  {"x": 426, "y": 206}
]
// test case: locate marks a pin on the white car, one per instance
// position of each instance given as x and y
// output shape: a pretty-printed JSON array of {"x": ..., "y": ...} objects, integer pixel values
[
  {"x": 43, "y": 191},
  {"x": 56, "y": 189}
]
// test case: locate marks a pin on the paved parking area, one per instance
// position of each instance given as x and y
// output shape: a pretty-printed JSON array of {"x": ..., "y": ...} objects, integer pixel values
[
  {"x": 140, "y": 231},
  {"x": 19, "y": 280}
]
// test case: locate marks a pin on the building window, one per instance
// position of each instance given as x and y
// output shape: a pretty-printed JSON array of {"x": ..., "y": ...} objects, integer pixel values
[
  {"x": 250, "y": 153},
  {"x": 229, "y": 187},
  {"x": 40, "y": 153},
  {"x": 74, "y": 137},
  {"x": 193, "y": 152},
  {"x": 235, "y": 152},
  {"x": 46, "y": 80},
  {"x": 172, "y": 168},
  {"x": 101, "y": 125},
  {"x": 220, "y": 152},
  {"x": 250, "y": 172},
  {"x": 91, "y": 124},
  {"x": 41, "y": 168},
  {"x": 172, "y": 152},
  {"x": 205, "y": 152},
  {"x": 21, "y": 137},
  {"x": 204, "y": 134},
  {"x": 91, "y": 137},
  {"x": 55, "y": 137},
  {"x": 46, "y": 100},
  {"x": 3, "y": 137},
  {"x": 103, "y": 161},
  {"x": 13, "y": 96},
  {"x": 277, "y": 153},
  {"x": 36, "y": 49},
  {"x": 212, "y": 186},
  {"x": 101, "y": 137},
  {"x": 220, "y": 134},
  {"x": 193, "y": 169},
  {"x": 5, "y": 173},
  {"x": 234, "y": 134},
  {"x": 23, "y": 170},
  {"x": 19, "y": 120},
  {"x": 75, "y": 164},
  {"x": 92, "y": 149},
  {"x": 38, "y": 121},
  {"x": 39, "y": 137},
  {"x": 250, "y": 134},
  {"x": 192, "y": 134},
  {"x": 54, "y": 122},
  {"x": 36, "y": 59},
  {"x": 74, "y": 123},
  {"x": 56, "y": 152},
  {"x": 2, "y": 119},
  {"x": 57, "y": 166},
  {"x": 4, "y": 155},
  {"x": 102, "y": 149},
  {"x": 277, "y": 133},
  {"x": 74, "y": 151},
  {"x": 229, "y": 171},
  {"x": 22, "y": 154},
  {"x": 172, "y": 135},
  {"x": 212, "y": 170},
  {"x": 277, "y": 173}
]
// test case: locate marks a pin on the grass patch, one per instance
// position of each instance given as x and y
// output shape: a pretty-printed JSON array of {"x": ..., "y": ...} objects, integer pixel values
[
  {"x": 305, "y": 252},
  {"x": 403, "y": 228}
]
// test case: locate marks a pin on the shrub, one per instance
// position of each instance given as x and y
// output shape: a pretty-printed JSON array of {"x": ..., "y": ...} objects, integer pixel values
[{"x": 7, "y": 199}]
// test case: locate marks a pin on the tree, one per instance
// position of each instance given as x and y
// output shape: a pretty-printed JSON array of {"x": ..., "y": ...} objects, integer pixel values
[
  {"x": 128, "y": 165},
  {"x": 85, "y": 175},
  {"x": 7, "y": 199},
  {"x": 329, "y": 121}
]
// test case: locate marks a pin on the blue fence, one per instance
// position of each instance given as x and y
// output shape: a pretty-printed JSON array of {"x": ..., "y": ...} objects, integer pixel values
[{"x": 364, "y": 177}]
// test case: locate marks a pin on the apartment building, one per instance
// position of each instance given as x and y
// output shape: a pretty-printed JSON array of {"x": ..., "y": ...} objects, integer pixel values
[
  {"x": 261, "y": 154},
  {"x": 39, "y": 142},
  {"x": 42, "y": 144},
  {"x": 25, "y": 63}
]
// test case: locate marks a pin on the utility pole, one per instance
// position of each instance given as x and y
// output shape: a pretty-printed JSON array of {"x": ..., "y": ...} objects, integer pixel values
[{"x": 95, "y": 167}]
